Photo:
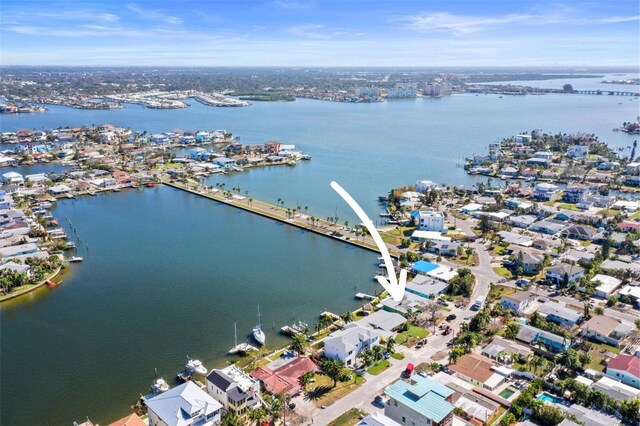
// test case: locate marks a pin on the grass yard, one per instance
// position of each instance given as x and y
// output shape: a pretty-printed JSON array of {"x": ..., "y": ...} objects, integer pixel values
[
  {"x": 413, "y": 334},
  {"x": 349, "y": 418},
  {"x": 397, "y": 355},
  {"x": 503, "y": 272},
  {"x": 565, "y": 206},
  {"x": 498, "y": 291},
  {"x": 379, "y": 367},
  {"x": 322, "y": 392}
]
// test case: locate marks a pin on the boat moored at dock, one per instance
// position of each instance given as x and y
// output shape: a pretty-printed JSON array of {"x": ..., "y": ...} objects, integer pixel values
[{"x": 195, "y": 366}]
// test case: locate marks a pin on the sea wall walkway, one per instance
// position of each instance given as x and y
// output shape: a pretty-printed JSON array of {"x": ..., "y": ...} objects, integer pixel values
[{"x": 302, "y": 221}]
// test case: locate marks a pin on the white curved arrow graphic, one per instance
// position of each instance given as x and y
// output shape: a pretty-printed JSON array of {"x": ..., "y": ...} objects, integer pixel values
[{"x": 394, "y": 286}]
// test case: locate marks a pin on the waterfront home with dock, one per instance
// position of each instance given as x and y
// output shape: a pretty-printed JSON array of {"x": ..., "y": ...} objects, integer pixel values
[
  {"x": 347, "y": 344},
  {"x": 234, "y": 389},
  {"x": 184, "y": 405}
]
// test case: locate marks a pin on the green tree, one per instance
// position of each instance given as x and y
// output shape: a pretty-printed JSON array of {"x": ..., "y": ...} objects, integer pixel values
[
  {"x": 348, "y": 317},
  {"x": 584, "y": 358},
  {"x": 299, "y": 343},
  {"x": 230, "y": 418},
  {"x": 332, "y": 368},
  {"x": 391, "y": 343},
  {"x": 507, "y": 420},
  {"x": 258, "y": 415},
  {"x": 548, "y": 415},
  {"x": 569, "y": 359},
  {"x": 513, "y": 328}
]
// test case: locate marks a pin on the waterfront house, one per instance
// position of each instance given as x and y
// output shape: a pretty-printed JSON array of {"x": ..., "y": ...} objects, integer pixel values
[
  {"x": 518, "y": 302},
  {"x": 616, "y": 389},
  {"x": 17, "y": 267},
  {"x": 625, "y": 368},
  {"x": 347, "y": 344},
  {"x": 529, "y": 173},
  {"x": 609, "y": 330},
  {"x": 609, "y": 165},
  {"x": 224, "y": 162},
  {"x": 425, "y": 185},
  {"x": 12, "y": 178},
  {"x": 556, "y": 274},
  {"x": 130, "y": 420},
  {"x": 509, "y": 171},
  {"x": 19, "y": 250},
  {"x": 284, "y": 379},
  {"x": 479, "y": 370},
  {"x": 522, "y": 139},
  {"x": 420, "y": 401},
  {"x": 184, "y": 405},
  {"x": 234, "y": 389},
  {"x": 575, "y": 193},
  {"x": 59, "y": 190},
  {"x": 535, "y": 336},
  {"x": 385, "y": 322},
  {"x": 537, "y": 161},
  {"x": 37, "y": 178},
  {"x": 577, "y": 151},
  {"x": 428, "y": 220},
  {"x": 545, "y": 191},
  {"x": 426, "y": 287},
  {"x": 555, "y": 312}
]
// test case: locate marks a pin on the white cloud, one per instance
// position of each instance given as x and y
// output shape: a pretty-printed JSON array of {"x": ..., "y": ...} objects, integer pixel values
[
  {"x": 464, "y": 24},
  {"x": 155, "y": 15}
]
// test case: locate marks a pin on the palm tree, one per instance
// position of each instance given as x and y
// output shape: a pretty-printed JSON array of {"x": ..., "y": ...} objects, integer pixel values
[
  {"x": 279, "y": 199},
  {"x": 259, "y": 415},
  {"x": 391, "y": 343},
  {"x": 348, "y": 317},
  {"x": 298, "y": 344}
]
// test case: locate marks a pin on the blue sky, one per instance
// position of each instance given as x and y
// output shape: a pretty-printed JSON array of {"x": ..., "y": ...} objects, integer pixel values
[{"x": 320, "y": 33}]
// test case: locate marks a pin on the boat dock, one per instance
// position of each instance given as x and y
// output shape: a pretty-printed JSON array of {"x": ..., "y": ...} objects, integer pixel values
[
  {"x": 365, "y": 296},
  {"x": 242, "y": 348},
  {"x": 330, "y": 315},
  {"x": 295, "y": 328}
]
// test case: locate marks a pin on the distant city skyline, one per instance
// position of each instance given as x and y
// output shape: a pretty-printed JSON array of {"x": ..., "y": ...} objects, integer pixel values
[{"x": 320, "y": 33}]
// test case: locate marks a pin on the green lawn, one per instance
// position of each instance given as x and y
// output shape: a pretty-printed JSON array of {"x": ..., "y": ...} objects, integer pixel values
[
  {"x": 413, "y": 333},
  {"x": 349, "y": 418},
  {"x": 503, "y": 272},
  {"x": 397, "y": 355},
  {"x": 379, "y": 367},
  {"x": 322, "y": 392},
  {"x": 568, "y": 207},
  {"x": 498, "y": 291}
]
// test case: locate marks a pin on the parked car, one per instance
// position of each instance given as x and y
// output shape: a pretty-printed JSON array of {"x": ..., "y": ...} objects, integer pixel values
[
  {"x": 408, "y": 371},
  {"x": 292, "y": 405},
  {"x": 380, "y": 401},
  {"x": 447, "y": 331},
  {"x": 451, "y": 317}
]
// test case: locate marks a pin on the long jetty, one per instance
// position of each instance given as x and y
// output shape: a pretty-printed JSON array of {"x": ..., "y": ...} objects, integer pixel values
[{"x": 270, "y": 211}]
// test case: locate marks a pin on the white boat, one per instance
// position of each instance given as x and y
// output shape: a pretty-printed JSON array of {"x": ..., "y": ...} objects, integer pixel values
[
  {"x": 258, "y": 334},
  {"x": 195, "y": 366},
  {"x": 76, "y": 259},
  {"x": 241, "y": 348},
  {"x": 159, "y": 386}
]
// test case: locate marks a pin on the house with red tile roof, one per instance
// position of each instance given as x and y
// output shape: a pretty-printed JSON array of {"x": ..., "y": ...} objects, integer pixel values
[
  {"x": 286, "y": 378},
  {"x": 625, "y": 368},
  {"x": 130, "y": 420}
]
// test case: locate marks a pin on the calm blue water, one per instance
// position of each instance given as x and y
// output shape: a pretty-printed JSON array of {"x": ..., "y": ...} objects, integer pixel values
[{"x": 167, "y": 274}]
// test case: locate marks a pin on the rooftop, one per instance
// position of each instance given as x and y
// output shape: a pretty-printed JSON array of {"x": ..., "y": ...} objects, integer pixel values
[
  {"x": 422, "y": 395},
  {"x": 475, "y": 366},
  {"x": 628, "y": 363}
]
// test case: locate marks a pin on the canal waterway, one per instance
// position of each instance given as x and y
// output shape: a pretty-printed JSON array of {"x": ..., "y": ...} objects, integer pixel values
[{"x": 166, "y": 274}]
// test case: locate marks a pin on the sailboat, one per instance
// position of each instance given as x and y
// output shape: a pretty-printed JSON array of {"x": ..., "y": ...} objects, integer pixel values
[
  {"x": 258, "y": 334},
  {"x": 160, "y": 385},
  {"x": 241, "y": 348}
]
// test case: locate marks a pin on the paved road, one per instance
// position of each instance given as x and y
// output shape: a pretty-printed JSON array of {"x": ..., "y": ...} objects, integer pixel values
[{"x": 362, "y": 397}]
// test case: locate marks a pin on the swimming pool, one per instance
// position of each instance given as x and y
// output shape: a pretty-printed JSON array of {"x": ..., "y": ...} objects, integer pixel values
[
  {"x": 547, "y": 397},
  {"x": 507, "y": 392}
]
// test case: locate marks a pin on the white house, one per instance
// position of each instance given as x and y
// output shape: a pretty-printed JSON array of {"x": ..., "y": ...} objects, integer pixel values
[
  {"x": 606, "y": 285},
  {"x": 234, "y": 389},
  {"x": 545, "y": 191},
  {"x": 425, "y": 185},
  {"x": 184, "y": 405},
  {"x": 556, "y": 274},
  {"x": 346, "y": 344},
  {"x": 13, "y": 177},
  {"x": 517, "y": 302},
  {"x": 559, "y": 314},
  {"x": 429, "y": 220},
  {"x": 577, "y": 151}
]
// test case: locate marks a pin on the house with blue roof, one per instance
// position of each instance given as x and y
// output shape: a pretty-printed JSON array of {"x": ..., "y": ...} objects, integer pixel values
[
  {"x": 423, "y": 267},
  {"x": 419, "y": 401},
  {"x": 184, "y": 405}
]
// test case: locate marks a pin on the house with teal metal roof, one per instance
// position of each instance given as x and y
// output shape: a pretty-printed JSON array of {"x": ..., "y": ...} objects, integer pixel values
[{"x": 419, "y": 401}]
